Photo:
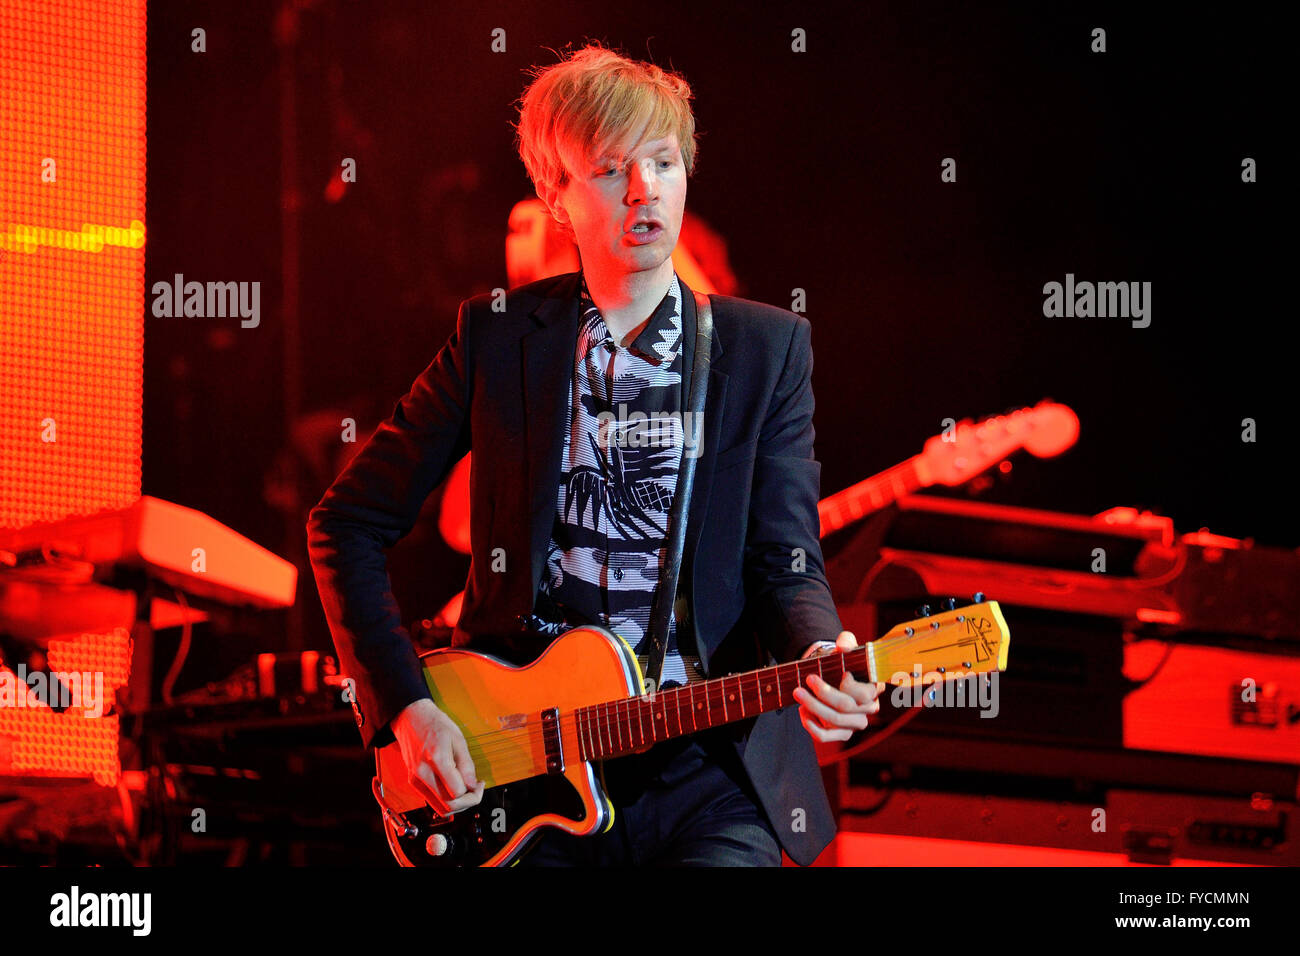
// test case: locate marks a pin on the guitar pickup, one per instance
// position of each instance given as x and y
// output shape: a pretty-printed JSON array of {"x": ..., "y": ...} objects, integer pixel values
[{"x": 551, "y": 740}]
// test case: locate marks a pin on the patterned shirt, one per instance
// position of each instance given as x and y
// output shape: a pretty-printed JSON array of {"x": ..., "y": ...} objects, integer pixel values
[{"x": 622, "y": 449}]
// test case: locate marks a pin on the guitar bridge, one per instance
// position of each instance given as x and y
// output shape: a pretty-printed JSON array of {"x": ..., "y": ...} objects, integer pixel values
[{"x": 551, "y": 740}]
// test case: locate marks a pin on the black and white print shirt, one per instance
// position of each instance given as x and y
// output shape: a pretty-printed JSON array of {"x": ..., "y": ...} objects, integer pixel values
[{"x": 622, "y": 449}]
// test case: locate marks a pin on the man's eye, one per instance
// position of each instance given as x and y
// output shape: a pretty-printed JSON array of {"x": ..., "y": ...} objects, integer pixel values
[{"x": 665, "y": 162}]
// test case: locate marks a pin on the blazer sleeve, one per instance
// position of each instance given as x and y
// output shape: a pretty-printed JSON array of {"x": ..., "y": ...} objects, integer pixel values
[
  {"x": 785, "y": 578},
  {"x": 372, "y": 504}
]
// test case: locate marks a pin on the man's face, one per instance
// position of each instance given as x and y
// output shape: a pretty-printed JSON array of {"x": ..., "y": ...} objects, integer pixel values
[{"x": 607, "y": 196}]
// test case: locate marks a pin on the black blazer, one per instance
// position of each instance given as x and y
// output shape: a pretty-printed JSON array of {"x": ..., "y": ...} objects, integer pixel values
[{"x": 500, "y": 385}]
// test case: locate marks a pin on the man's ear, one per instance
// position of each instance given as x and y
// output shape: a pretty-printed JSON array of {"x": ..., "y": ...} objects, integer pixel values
[{"x": 549, "y": 195}]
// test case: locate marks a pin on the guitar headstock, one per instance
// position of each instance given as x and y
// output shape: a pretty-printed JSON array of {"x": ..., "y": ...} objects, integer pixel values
[
  {"x": 951, "y": 644},
  {"x": 1047, "y": 429}
]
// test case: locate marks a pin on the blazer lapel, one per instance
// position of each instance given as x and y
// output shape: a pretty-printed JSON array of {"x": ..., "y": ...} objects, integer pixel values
[{"x": 548, "y": 367}]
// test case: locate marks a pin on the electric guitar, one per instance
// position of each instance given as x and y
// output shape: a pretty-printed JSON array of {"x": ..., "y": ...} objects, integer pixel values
[
  {"x": 535, "y": 731},
  {"x": 955, "y": 457}
]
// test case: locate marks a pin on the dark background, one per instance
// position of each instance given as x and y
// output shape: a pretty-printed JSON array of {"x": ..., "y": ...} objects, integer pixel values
[{"x": 821, "y": 170}]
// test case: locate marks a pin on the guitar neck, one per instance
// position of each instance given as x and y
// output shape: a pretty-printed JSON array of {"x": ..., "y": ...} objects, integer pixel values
[
  {"x": 869, "y": 495},
  {"x": 626, "y": 726}
]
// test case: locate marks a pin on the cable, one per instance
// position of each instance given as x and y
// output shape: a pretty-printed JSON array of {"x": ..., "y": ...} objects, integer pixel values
[{"x": 181, "y": 652}]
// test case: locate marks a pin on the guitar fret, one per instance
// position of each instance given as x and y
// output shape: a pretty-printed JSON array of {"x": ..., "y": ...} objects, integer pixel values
[
  {"x": 694, "y": 725},
  {"x": 618, "y": 726},
  {"x": 605, "y": 720}
]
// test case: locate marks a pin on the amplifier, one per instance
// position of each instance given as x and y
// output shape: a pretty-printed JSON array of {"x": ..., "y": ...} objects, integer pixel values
[
  {"x": 1212, "y": 701},
  {"x": 905, "y": 826}
]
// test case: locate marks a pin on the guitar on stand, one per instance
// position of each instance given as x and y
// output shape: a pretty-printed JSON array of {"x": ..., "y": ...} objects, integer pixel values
[
  {"x": 953, "y": 458},
  {"x": 537, "y": 732}
]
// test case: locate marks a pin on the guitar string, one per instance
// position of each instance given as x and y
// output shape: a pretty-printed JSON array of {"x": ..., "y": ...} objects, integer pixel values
[
  {"x": 612, "y": 717},
  {"x": 617, "y": 736},
  {"x": 621, "y": 711},
  {"x": 513, "y": 758}
]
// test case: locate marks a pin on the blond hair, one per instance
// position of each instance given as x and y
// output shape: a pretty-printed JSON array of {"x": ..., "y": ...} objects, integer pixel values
[{"x": 590, "y": 101}]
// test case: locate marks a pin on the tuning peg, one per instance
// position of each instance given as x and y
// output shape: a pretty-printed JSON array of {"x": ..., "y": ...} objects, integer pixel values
[
  {"x": 923, "y": 611},
  {"x": 949, "y": 604},
  {"x": 978, "y": 597}
]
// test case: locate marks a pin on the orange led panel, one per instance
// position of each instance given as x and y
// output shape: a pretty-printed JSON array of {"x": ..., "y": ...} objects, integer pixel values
[{"x": 72, "y": 194}]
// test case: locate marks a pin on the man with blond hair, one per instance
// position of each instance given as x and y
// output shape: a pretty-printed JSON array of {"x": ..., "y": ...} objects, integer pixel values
[{"x": 547, "y": 393}]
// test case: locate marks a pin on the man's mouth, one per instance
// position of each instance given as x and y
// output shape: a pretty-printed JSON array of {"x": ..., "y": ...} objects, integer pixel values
[{"x": 646, "y": 231}]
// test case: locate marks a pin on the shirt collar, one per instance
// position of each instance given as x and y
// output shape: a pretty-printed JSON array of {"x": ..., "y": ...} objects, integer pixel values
[{"x": 658, "y": 342}]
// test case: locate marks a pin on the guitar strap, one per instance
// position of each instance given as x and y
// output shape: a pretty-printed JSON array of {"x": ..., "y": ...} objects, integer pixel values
[{"x": 666, "y": 589}]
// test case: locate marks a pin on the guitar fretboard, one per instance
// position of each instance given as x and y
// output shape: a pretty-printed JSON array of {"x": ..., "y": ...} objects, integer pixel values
[
  {"x": 625, "y": 726},
  {"x": 868, "y": 496}
]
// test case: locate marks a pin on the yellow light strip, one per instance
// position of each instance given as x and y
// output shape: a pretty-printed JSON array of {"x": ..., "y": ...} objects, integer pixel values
[{"x": 91, "y": 238}]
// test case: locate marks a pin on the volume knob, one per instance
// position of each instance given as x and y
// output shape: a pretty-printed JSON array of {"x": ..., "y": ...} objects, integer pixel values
[{"x": 437, "y": 845}]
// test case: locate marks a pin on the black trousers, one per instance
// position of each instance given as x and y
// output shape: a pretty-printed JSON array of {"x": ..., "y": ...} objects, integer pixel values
[{"x": 682, "y": 803}]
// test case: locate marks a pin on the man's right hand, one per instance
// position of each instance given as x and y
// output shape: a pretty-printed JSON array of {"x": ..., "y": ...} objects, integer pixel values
[{"x": 437, "y": 758}]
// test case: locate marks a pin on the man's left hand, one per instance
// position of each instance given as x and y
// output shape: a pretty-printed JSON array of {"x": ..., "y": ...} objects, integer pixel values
[{"x": 834, "y": 714}]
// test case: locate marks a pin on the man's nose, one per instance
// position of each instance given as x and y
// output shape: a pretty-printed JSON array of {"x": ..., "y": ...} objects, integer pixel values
[{"x": 643, "y": 184}]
